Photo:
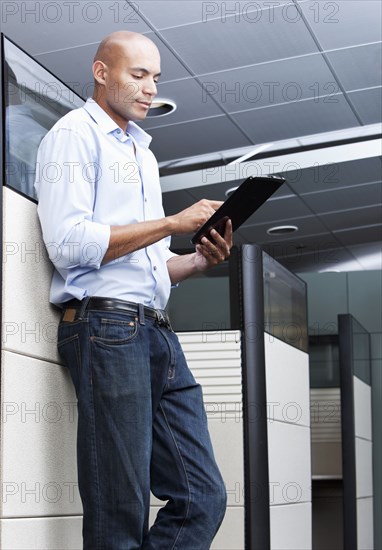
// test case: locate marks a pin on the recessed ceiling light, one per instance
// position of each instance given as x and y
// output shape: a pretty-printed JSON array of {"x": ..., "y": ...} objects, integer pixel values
[
  {"x": 282, "y": 229},
  {"x": 161, "y": 107}
]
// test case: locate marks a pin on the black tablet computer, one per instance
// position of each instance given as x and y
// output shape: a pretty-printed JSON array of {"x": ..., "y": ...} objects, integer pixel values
[{"x": 245, "y": 200}]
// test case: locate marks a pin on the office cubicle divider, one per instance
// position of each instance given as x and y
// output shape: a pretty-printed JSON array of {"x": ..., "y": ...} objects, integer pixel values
[
  {"x": 357, "y": 440},
  {"x": 268, "y": 304}
]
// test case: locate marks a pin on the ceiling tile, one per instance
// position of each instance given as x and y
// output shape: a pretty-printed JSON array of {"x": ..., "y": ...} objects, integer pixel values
[
  {"x": 188, "y": 97},
  {"x": 322, "y": 256},
  {"x": 194, "y": 138},
  {"x": 79, "y": 75},
  {"x": 360, "y": 235},
  {"x": 171, "y": 14},
  {"x": 306, "y": 226},
  {"x": 270, "y": 83},
  {"x": 171, "y": 67},
  {"x": 344, "y": 22},
  {"x": 359, "y": 67},
  {"x": 334, "y": 176},
  {"x": 368, "y": 104},
  {"x": 218, "y": 45},
  {"x": 354, "y": 218},
  {"x": 296, "y": 119},
  {"x": 345, "y": 198},
  {"x": 45, "y": 26}
]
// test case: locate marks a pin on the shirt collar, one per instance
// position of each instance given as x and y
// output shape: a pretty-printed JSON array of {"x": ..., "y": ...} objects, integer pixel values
[{"x": 108, "y": 125}]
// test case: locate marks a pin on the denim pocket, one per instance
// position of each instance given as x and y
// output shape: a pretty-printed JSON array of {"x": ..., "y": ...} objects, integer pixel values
[
  {"x": 114, "y": 332},
  {"x": 70, "y": 353}
]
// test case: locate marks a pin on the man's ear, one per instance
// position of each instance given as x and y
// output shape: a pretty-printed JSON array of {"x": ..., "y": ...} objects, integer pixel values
[{"x": 99, "y": 72}]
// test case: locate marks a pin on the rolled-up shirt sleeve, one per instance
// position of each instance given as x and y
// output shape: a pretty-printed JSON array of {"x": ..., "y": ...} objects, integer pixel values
[{"x": 66, "y": 185}]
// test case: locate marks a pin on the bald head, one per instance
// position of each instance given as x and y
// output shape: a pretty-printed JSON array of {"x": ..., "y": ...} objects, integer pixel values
[{"x": 118, "y": 43}]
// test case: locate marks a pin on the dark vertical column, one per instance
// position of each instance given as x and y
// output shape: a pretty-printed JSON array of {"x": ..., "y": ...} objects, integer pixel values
[
  {"x": 251, "y": 300},
  {"x": 345, "y": 341}
]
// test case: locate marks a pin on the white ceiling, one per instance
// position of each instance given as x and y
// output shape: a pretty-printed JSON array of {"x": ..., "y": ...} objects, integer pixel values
[{"x": 244, "y": 74}]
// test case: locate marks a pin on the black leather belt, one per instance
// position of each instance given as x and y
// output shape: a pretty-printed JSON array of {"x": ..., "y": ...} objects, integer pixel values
[{"x": 76, "y": 309}]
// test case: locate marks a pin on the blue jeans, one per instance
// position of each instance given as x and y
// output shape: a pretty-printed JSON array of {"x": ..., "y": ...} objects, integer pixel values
[{"x": 141, "y": 426}]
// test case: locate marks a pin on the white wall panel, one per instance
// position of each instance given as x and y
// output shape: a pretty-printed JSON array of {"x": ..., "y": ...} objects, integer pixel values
[
  {"x": 362, "y": 409},
  {"x": 289, "y": 463},
  {"x": 291, "y": 527},
  {"x": 365, "y": 524},
  {"x": 39, "y": 422},
  {"x": 287, "y": 376},
  {"x": 61, "y": 533},
  {"x": 364, "y": 467},
  {"x": 227, "y": 440},
  {"x": 29, "y": 322},
  {"x": 215, "y": 360}
]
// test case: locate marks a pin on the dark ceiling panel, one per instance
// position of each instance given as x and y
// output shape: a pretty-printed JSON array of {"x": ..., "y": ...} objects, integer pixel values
[
  {"x": 297, "y": 119},
  {"x": 334, "y": 176},
  {"x": 170, "y": 13},
  {"x": 326, "y": 259},
  {"x": 171, "y": 67},
  {"x": 218, "y": 45},
  {"x": 345, "y": 22},
  {"x": 306, "y": 227},
  {"x": 368, "y": 104},
  {"x": 358, "y": 68},
  {"x": 80, "y": 75},
  {"x": 356, "y": 217},
  {"x": 360, "y": 235},
  {"x": 196, "y": 138},
  {"x": 270, "y": 83},
  {"x": 188, "y": 96},
  {"x": 41, "y": 27},
  {"x": 346, "y": 197},
  {"x": 77, "y": 75}
]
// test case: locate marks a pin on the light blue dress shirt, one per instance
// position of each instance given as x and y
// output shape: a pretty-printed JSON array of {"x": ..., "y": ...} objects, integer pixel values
[{"x": 88, "y": 178}]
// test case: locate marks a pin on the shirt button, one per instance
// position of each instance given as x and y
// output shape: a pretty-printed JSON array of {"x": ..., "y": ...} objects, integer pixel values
[
  {"x": 118, "y": 131},
  {"x": 145, "y": 199},
  {"x": 155, "y": 268},
  {"x": 154, "y": 298}
]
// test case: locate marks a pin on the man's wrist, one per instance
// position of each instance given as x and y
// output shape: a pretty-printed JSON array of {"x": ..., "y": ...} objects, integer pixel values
[{"x": 171, "y": 224}]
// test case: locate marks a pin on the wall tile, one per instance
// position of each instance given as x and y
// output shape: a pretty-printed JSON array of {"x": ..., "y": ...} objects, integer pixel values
[
  {"x": 291, "y": 527},
  {"x": 63, "y": 533},
  {"x": 29, "y": 322},
  {"x": 289, "y": 463},
  {"x": 364, "y": 467},
  {"x": 287, "y": 381},
  {"x": 39, "y": 421}
]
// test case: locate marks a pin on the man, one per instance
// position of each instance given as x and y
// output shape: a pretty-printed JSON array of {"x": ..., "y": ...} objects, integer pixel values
[{"x": 141, "y": 420}]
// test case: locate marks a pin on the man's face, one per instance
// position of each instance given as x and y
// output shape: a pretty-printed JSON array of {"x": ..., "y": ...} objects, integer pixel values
[{"x": 130, "y": 81}]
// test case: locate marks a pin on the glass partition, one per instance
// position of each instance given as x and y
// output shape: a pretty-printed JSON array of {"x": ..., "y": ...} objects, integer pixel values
[
  {"x": 285, "y": 310},
  {"x": 34, "y": 100}
]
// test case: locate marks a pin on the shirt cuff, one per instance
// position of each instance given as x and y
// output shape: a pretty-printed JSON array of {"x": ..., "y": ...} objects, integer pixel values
[{"x": 93, "y": 252}]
